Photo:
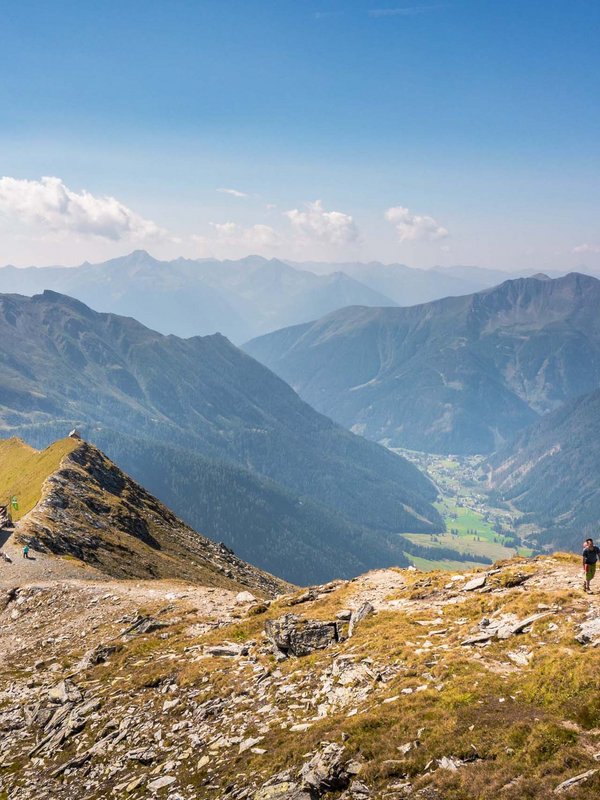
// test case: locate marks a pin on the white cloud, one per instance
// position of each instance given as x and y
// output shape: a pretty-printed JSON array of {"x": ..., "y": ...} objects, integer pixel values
[
  {"x": 587, "y": 248},
  {"x": 330, "y": 227},
  {"x": 233, "y": 192},
  {"x": 48, "y": 202},
  {"x": 414, "y": 227}
]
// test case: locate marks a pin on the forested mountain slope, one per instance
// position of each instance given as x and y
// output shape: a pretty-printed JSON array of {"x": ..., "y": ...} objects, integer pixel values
[
  {"x": 462, "y": 374},
  {"x": 550, "y": 472},
  {"x": 198, "y": 413}
]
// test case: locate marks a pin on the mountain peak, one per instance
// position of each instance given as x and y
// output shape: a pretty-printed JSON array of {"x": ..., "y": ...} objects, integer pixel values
[{"x": 137, "y": 258}]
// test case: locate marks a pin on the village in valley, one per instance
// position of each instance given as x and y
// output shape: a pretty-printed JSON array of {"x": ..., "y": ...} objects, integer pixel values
[{"x": 477, "y": 523}]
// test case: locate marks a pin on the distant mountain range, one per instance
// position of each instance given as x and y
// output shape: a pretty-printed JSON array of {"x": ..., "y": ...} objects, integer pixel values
[
  {"x": 245, "y": 298},
  {"x": 224, "y": 442},
  {"x": 239, "y": 299},
  {"x": 461, "y": 374},
  {"x": 550, "y": 473},
  {"x": 409, "y": 286}
]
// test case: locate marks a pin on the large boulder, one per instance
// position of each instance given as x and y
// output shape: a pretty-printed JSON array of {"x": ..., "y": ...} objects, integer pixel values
[
  {"x": 293, "y": 635},
  {"x": 327, "y": 770}
]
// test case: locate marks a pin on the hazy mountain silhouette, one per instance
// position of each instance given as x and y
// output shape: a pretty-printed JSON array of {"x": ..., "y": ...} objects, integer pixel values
[{"x": 239, "y": 299}]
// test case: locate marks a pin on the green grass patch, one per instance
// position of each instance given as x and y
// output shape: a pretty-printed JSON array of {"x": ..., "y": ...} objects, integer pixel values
[{"x": 463, "y": 544}]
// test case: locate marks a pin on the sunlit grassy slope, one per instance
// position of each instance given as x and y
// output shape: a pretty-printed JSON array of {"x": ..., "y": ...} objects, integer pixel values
[{"x": 23, "y": 470}]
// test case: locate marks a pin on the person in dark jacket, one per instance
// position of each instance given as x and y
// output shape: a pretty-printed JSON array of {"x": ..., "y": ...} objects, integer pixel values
[{"x": 591, "y": 553}]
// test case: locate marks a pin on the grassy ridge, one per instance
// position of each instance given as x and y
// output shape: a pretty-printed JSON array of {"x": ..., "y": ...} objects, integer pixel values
[{"x": 23, "y": 470}]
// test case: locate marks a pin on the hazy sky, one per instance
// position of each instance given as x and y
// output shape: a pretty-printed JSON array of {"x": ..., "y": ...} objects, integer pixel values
[{"x": 434, "y": 133}]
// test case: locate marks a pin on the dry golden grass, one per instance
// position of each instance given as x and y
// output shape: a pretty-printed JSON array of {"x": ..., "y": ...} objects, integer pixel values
[{"x": 23, "y": 470}]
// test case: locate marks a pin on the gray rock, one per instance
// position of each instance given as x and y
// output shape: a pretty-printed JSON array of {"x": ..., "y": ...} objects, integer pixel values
[
  {"x": 282, "y": 786},
  {"x": 98, "y": 655},
  {"x": 282, "y": 791},
  {"x": 143, "y": 625},
  {"x": 475, "y": 583},
  {"x": 479, "y": 638},
  {"x": 358, "y": 789},
  {"x": 226, "y": 650},
  {"x": 450, "y": 763},
  {"x": 326, "y": 771},
  {"x": 160, "y": 783},
  {"x": 305, "y": 597},
  {"x": 506, "y": 631},
  {"x": 293, "y": 635},
  {"x": 64, "y": 692},
  {"x": 589, "y": 631},
  {"x": 244, "y": 597},
  {"x": 575, "y": 781},
  {"x": 357, "y": 616},
  {"x": 145, "y": 755}
]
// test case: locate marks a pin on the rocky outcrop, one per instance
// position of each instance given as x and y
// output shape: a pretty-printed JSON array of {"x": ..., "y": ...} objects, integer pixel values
[
  {"x": 328, "y": 770},
  {"x": 92, "y": 511},
  {"x": 292, "y": 635}
]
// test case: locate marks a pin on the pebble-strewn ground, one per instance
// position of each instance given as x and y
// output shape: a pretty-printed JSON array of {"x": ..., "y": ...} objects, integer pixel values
[{"x": 451, "y": 686}]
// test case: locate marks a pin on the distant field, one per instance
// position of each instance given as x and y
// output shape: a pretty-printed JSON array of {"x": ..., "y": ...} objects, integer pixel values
[
  {"x": 449, "y": 463},
  {"x": 475, "y": 537},
  {"x": 427, "y": 565},
  {"x": 465, "y": 519},
  {"x": 464, "y": 544}
]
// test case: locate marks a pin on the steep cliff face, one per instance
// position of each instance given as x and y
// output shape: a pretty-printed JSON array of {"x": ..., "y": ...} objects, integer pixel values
[{"x": 89, "y": 510}]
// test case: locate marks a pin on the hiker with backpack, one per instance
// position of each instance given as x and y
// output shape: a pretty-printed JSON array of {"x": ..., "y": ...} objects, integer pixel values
[{"x": 591, "y": 554}]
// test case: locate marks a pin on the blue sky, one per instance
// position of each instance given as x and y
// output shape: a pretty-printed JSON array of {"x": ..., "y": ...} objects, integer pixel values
[{"x": 425, "y": 133}]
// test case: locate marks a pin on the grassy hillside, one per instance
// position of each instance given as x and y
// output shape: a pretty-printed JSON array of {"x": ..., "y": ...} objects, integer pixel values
[
  {"x": 78, "y": 504},
  {"x": 23, "y": 470}
]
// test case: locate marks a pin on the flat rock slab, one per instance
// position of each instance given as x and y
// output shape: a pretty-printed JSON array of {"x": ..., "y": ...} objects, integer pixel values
[
  {"x": 589, "y": 631},
  {"x": 475, "y": 583}
]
